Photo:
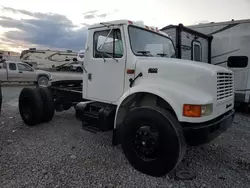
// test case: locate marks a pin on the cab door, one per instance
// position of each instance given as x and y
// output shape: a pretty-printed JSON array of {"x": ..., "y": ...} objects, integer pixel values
[
  {"x": 26, "y": 73},
  {"x": 106, "y": 65},
  {"x": 12, "y": 73}
]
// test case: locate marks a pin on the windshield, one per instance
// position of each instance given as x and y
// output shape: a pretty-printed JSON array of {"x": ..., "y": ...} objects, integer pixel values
[{"x": 147, "y": 43}]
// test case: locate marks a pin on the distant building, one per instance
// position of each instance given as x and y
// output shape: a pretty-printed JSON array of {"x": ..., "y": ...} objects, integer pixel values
[{"x": 9, "y": 55}]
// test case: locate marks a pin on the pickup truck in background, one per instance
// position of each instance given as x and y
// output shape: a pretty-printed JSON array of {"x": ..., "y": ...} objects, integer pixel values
[{"x": 22, "y": 72}]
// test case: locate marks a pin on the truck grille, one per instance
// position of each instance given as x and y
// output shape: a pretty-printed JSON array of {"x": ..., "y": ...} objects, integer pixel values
[{"x": 224, "y": 85}]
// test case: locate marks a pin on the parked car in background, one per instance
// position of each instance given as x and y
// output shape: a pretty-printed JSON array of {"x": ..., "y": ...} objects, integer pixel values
[
  {"x": 11, "y": 71},
  {"x": 74, "y": 66}
]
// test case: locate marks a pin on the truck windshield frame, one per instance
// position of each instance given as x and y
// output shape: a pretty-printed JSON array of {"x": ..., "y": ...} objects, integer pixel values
[{"x": 168, "y": 51}]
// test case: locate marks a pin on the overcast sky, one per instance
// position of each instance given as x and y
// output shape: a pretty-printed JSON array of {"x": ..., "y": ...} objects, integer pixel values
[{"x": 62, "y": 24}]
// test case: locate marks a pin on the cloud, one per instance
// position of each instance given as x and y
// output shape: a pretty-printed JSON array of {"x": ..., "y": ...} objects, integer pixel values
[
  {"x": 43, "y": 29},
  {"x": 102, "y": 15},
  {"x": 90, "y": 12},
  {"x": 89, "y": 16},
  {"x": 95, "y": 14}
]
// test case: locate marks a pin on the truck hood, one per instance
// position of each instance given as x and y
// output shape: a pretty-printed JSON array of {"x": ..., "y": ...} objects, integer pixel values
[
  {"x": 42, "y": 71},
  {"x": 185, "y": 64},
  {"x": 197, "y": 75}
]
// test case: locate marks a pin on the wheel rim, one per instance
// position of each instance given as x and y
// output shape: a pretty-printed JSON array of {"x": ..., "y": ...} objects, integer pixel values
[
  {"x": 146, "y": 142},
  {"x": 43, "y": 81}
]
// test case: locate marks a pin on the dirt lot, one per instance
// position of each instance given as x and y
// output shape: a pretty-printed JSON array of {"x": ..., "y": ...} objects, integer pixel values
[{"x": 61, "y": 154}]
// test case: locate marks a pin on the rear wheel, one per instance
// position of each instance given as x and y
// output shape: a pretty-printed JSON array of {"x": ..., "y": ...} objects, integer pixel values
[
  {"x": 153, "y": 141},
  {"x": 30, "y": 106},
  {"x": 48, "y": 104}
]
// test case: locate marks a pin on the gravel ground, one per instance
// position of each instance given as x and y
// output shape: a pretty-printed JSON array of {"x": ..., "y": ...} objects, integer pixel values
[{"x": 61, "y": 154}]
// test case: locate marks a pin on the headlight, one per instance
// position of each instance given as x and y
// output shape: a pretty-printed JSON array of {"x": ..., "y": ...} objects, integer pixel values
[{"x": 193, "y": 110}]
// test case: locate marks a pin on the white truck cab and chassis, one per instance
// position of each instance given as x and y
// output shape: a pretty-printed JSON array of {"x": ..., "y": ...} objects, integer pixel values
[{"x": 132, "y": 85}]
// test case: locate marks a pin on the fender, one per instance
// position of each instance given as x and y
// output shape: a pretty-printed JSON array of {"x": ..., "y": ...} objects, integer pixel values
[
  {"x": 42, "y": 74},
  {"x": 173, "y": 93}
]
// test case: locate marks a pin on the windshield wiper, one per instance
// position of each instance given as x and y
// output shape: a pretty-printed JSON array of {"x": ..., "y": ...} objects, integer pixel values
[{"x": 147, "y": 53}]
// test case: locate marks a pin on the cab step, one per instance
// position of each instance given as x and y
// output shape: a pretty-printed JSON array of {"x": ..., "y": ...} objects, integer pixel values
[
  {"x": 96, "y": 116},
  {"x": 89, "y": 128}
]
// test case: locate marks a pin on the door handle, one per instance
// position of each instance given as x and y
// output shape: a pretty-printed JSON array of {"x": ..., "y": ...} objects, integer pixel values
[
  {"x": 89, "y": 76},
  {"x": 20, "y": 72}
]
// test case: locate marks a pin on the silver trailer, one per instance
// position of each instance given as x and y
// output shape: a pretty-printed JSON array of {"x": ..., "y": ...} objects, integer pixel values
[
  {"x": 231, "y": 49},
  {"x": 190, "y": 44}
]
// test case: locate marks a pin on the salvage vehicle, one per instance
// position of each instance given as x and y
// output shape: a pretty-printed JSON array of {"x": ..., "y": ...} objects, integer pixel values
[
  {"x": 11, "y": 71},
  {"x": 132, "y": 85},
  {"x": 76, "y": 65}
]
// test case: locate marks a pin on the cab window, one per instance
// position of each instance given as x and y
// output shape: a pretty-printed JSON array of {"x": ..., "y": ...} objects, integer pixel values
[
  {"x": 237, "y": 61},
  {"x": 197, "y": 51},
  {"x": 108, "y": 44},
  {"x": 23, "y": 67},
  {"x": 12, "y": 66}
]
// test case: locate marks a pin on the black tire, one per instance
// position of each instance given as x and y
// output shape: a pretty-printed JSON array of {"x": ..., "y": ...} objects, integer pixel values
[
  {"x": 170, "y": 143},
  {"x": 48, "y": 104},
  {"x": 30, "y": 106}
]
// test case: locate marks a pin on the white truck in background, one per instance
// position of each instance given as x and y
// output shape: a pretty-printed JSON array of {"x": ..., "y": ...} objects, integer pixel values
[
  {"x": 155, "y": 105},
  {"x": 13, "y": 71}
]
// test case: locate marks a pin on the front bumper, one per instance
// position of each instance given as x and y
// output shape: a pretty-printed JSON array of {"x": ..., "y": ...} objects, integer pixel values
[{"x": 201, "y": 133}]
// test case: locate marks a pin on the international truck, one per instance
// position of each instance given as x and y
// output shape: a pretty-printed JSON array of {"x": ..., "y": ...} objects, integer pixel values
[{"x": 154, "y": 104}]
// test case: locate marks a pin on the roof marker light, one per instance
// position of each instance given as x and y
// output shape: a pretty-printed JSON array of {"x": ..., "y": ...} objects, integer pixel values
[{"x": 130, "y": 22}]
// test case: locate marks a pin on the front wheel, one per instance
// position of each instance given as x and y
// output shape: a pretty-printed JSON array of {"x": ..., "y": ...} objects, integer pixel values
[
  {"x": 153, "y": 141},
  {"x": 43, "y": 81}
]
